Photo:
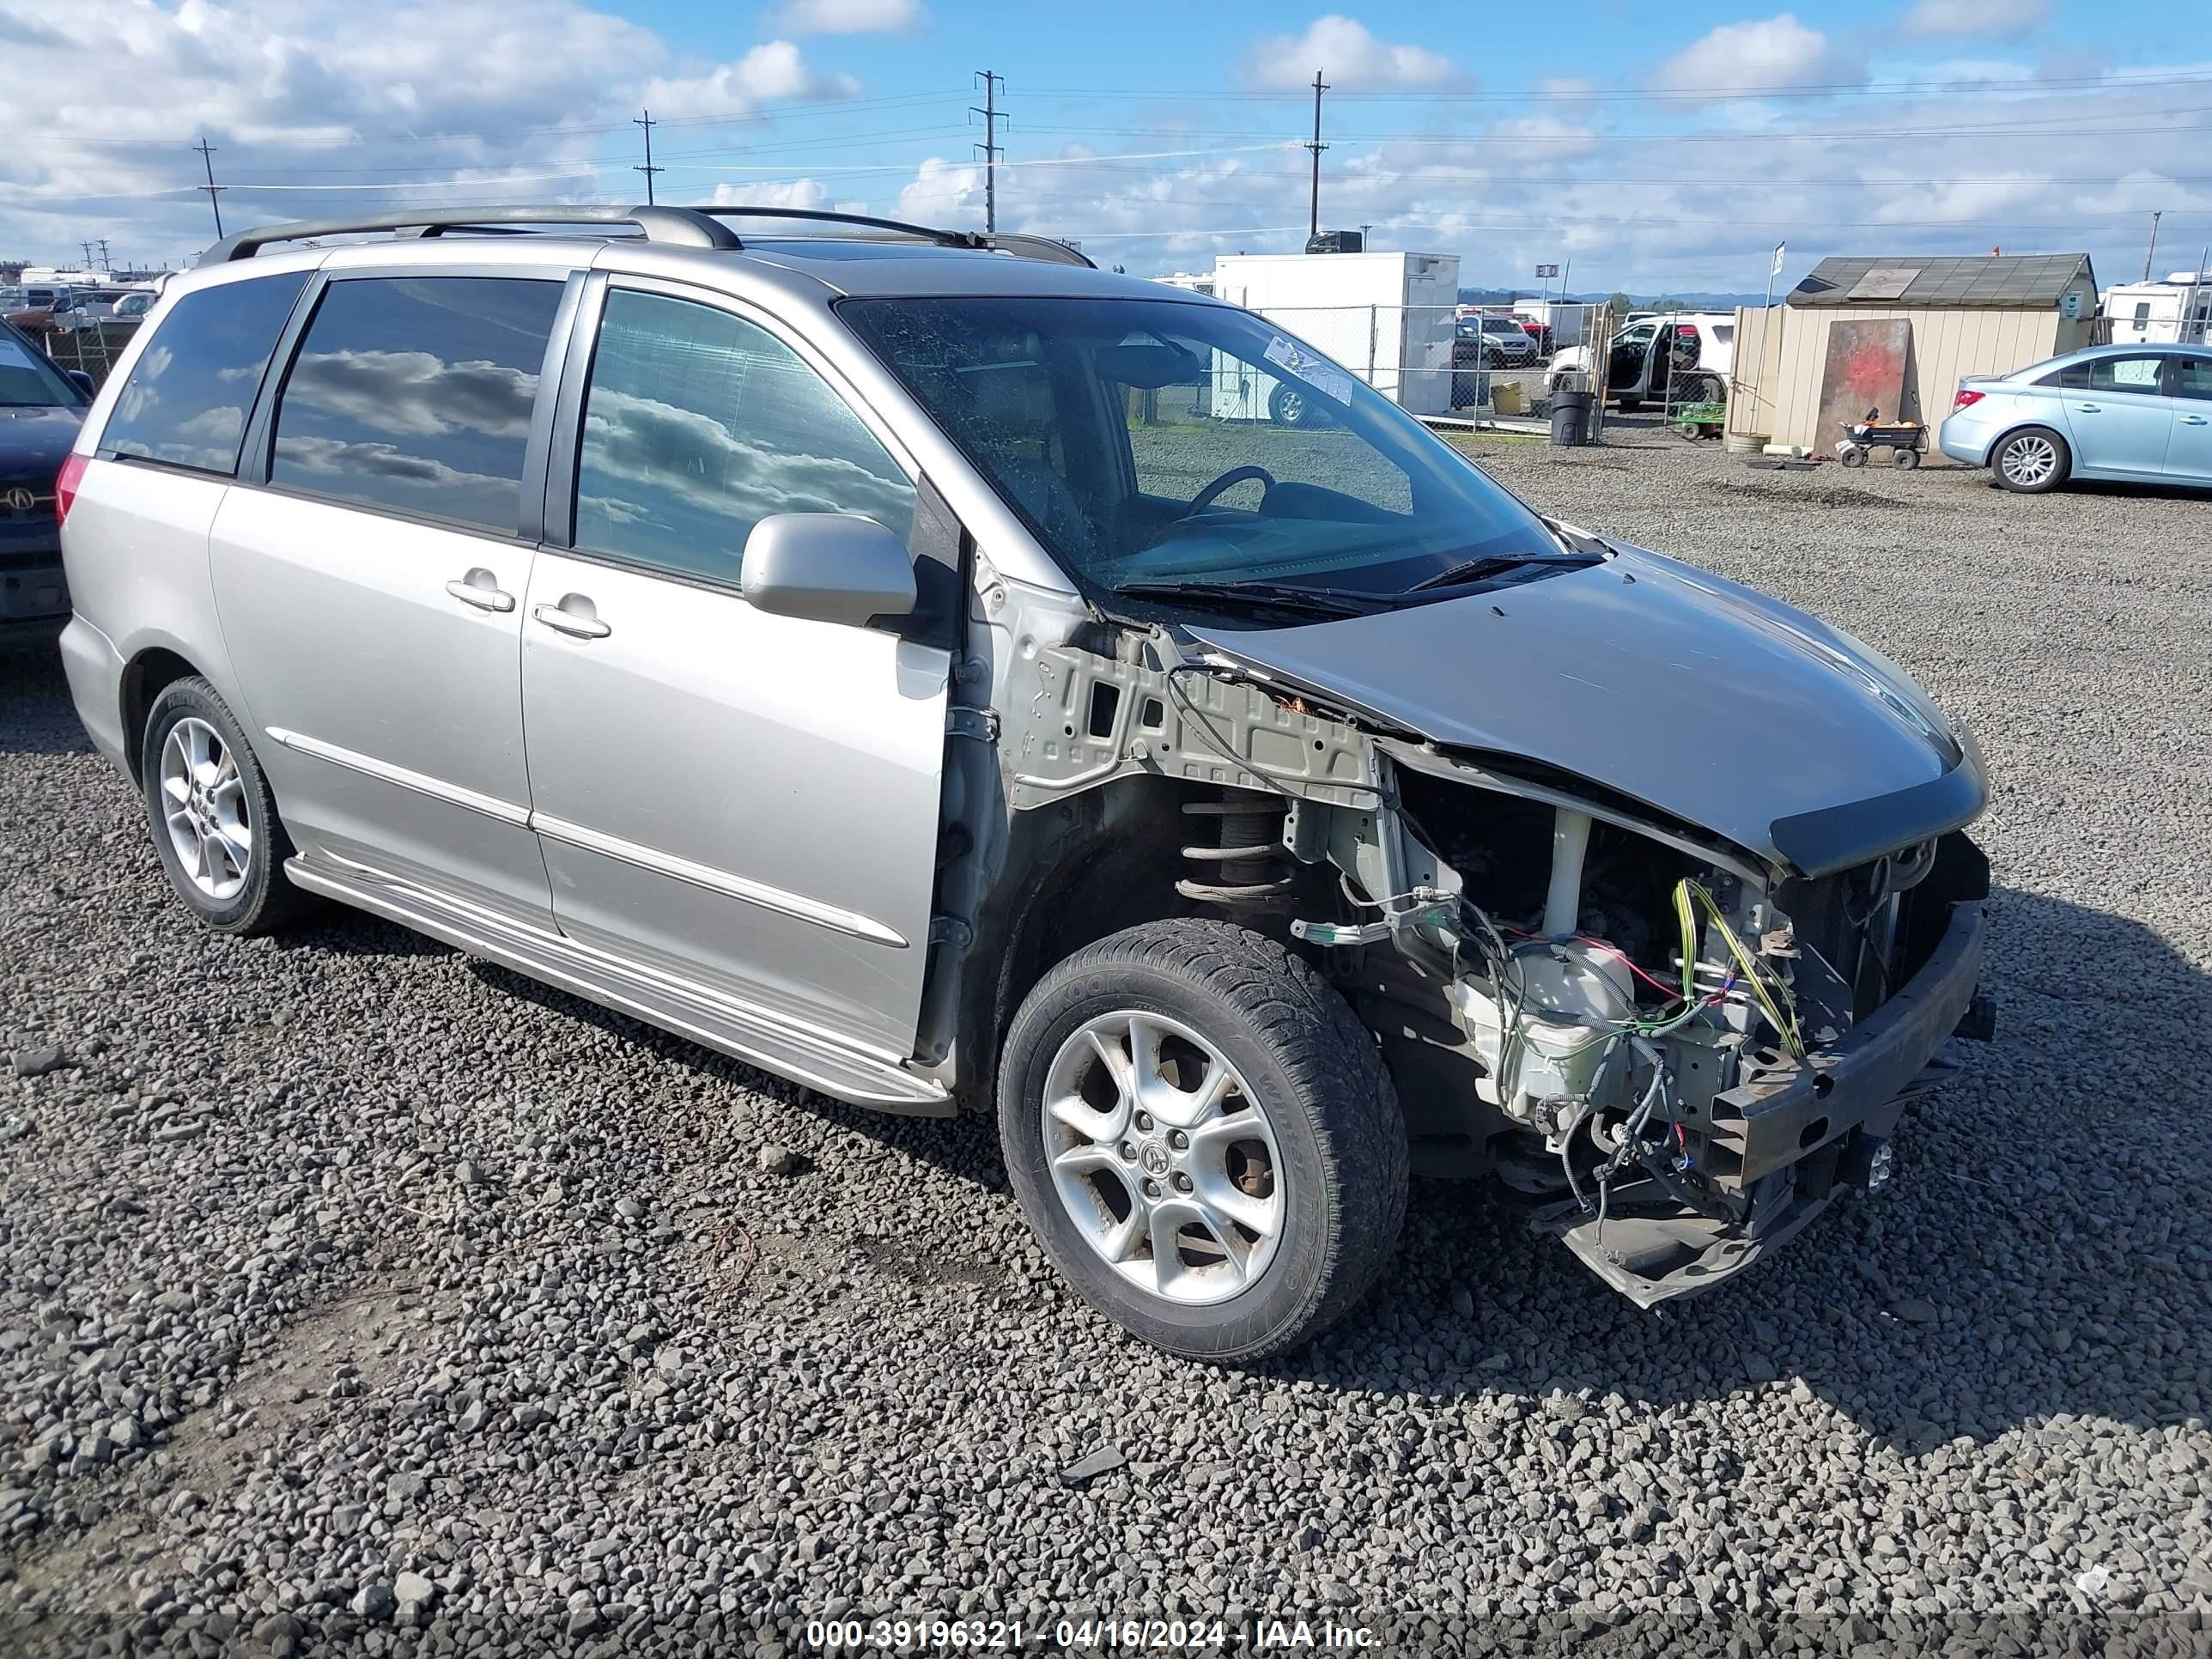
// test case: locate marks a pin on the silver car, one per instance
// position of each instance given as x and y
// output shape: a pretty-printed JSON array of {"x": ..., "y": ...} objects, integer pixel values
[
  {"x": 867, "y": 651},
  {"x": 2129, "y": 414}
]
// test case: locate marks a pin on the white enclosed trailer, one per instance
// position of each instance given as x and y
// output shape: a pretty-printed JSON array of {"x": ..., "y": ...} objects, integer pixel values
[{"x": 1388, "y": 317}]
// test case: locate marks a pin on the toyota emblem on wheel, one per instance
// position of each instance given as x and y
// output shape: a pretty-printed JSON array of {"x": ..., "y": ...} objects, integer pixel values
[{"x": 20, "y": 500}]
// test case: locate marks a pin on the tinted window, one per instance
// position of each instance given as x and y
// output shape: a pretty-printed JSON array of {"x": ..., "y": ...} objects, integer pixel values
[
  {"x": 2125, "y": 374},
  {"x": 697, "y": 426},
  {"x": 186, "y": 399},
  {"x": 2194, "y": 377},
  {"x": 415, "y": 393}
]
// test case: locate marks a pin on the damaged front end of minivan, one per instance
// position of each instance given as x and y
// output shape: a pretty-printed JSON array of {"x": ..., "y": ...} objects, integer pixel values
[{"x": 1663, "y": 938}]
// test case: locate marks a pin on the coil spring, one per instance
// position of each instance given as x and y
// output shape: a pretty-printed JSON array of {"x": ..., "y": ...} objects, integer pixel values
[{"x": 1247, "y": 863}]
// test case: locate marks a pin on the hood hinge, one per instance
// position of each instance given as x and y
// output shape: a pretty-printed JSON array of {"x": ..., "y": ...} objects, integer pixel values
[{"x": 981, "y": 724}]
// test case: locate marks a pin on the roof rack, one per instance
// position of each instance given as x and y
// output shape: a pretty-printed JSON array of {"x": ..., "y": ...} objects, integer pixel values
[
  {"x": 679, "y": 227},
  {"x": 1022, "y": 247},
  {"x": 673, "y": 227}
]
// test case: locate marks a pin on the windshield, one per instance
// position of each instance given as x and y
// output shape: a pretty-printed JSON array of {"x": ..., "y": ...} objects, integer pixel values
[
  {"x": 1157, "y": 440},
  {"x": 27, "y": 379}
]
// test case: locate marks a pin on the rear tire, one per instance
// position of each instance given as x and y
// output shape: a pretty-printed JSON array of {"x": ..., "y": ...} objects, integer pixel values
[
  {"x": 1287, "y": 406},
  {"x": 2032, "y": 461},
  {"x": 213, "y": 818},
  {"x": 1113, "y": 1056}
]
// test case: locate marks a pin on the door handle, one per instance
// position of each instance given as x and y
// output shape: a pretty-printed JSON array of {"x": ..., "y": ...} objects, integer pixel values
[
  {"x": 481, "y": 589},
  {"x": 2090, "y": 409},
  {"x": 577, "y": 624},
  {"x": 2192, "y": 420}
]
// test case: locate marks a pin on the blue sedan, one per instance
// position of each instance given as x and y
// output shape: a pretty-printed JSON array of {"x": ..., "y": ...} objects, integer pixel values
[{"x": 2136, "y": 413}]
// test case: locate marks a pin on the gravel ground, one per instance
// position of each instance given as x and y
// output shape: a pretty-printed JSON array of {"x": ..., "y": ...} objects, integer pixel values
[{"x": 358, "y": 1297}]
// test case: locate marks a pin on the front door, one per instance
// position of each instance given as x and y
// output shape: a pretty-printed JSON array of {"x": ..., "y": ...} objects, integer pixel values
[
  {"x": 1628, "y": 364},
  {"x": 746, "y": 800},
  {"x": 371, "y": 589},
  {"x": 2118, "y": 415},
  {"x": 2189, "y": 452}
]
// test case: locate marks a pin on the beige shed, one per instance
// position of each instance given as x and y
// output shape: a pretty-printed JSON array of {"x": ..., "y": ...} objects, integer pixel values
[{"x": 1983, "y": 315}]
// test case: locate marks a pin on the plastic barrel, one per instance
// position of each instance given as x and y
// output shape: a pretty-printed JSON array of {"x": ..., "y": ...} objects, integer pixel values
[{"x": 1570, "y": 418}]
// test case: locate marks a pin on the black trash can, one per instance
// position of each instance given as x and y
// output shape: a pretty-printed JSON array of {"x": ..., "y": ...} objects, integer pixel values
[{"x": 1569, "y": 417}]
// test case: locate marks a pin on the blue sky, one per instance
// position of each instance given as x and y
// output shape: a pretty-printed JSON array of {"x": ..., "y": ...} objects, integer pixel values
[{"x": 1655, "y": 148}]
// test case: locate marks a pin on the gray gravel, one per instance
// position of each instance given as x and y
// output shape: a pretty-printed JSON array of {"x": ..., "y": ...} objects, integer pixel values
[{"x": 357, "y": 1298}]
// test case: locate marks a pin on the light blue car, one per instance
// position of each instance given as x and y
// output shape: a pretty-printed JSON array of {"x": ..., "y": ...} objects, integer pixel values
[{"x": 2136, "y": 413}]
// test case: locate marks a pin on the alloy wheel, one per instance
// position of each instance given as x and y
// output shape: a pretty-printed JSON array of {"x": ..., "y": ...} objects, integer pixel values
[
  {"x": 1162, "y": 1158},
  {"x": 204, "y": 804},
  {"x": 2029, "y": 459}
]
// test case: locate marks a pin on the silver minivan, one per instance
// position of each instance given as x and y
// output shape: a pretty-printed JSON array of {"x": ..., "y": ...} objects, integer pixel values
[{"x": 865, "y": 650}]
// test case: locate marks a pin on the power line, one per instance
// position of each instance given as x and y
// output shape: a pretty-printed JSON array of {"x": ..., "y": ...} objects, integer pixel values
[
  {"x": 648, "y": 169},
  {"x": 214, "y": 190},
  {"x": 989, "y": 147},
  {"x": 1570, "y": 94}
]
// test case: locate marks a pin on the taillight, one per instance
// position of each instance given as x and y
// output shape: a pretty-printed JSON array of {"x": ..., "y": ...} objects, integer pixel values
[
  {"x": 65, "y": 483},
  {"x": 1967, "y": 399}
]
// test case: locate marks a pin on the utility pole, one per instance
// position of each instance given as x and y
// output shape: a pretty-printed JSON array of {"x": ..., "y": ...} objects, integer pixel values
[
  {"x": 1313, "y": 216},
  {"x": 2152, "y": 248},
  {"x": 87, "y": 246},
  {"x": 989, "y": 111},
  {"x": 212, "y": 190},
  {"x": 648, "y": 169},
  {"x": 105, "y": 264}
]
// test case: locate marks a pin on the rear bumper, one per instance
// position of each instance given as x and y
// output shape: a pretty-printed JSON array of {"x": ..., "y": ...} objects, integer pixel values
[
  {"x": 94, "y": 668},
  {"x": 1968, "y": 446},
  {"x": 33, "y": 592},
  {"x": 1802, "y": 1136}
]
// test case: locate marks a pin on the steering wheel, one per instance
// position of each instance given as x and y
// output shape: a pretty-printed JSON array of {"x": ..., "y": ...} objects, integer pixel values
[{"x": 1222, "y": 485}]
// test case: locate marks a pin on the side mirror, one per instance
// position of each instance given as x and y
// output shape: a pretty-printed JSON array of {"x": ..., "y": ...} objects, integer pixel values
[
  {"x": 81, "y": 381},
  {"x": 827, "y": 567}
]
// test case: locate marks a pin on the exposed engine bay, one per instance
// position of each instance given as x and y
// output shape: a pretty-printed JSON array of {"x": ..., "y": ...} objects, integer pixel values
[{"x": 1674, "y": 1048}]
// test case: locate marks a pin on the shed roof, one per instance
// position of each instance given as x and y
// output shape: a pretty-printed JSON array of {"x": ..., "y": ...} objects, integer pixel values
[{"x": 2026, "y": 282}]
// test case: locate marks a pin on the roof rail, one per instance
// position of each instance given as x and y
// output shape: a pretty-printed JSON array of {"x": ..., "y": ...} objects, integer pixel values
[
  {"x": 676, "y": 227},
  {"x": 1022, "y": 247},
  {"x": 679, "y": 227}
]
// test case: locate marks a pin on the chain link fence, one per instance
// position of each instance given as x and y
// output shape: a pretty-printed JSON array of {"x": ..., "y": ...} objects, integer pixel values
[
  {"x": 1440, "y": 363},
  {"x": 93, "y": 346}
]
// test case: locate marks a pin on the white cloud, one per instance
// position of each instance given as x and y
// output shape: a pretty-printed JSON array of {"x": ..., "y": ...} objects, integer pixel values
[
  {"x": 850, "y": 16},
  {"x": 1991, "y": 20},
  {"x": 1346, "y": 55},
  {"x": 772, "y": 70},
  {"x": 526, "y": 98},
  {"x": 1777, "y": 53},
  {"x": 944, "y": 193}
]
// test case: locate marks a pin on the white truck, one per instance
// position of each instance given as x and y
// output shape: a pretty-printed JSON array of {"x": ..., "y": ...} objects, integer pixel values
[{"x": 1674, "y": 357}]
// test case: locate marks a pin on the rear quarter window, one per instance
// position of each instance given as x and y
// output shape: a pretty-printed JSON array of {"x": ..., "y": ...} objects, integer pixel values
[{"x": 186, "y": 397}]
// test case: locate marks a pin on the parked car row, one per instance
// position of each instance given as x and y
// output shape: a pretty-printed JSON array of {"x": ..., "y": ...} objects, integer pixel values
[{"x": 43, "y": 308}]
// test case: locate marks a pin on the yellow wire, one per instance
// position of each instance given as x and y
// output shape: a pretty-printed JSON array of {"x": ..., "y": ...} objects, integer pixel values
[{"x": 1786, "y": 1026}]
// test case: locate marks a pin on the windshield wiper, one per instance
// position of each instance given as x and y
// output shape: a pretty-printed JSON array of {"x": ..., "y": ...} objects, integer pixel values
[
  {"x": 1273, "y": 596},
  {"x": 1475, "y": 569}
]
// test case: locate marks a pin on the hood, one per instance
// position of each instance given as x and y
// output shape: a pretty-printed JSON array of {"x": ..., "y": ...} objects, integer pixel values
[
  {"x": 33, "y": 442},
  {"x": 1711, "y": 702}
]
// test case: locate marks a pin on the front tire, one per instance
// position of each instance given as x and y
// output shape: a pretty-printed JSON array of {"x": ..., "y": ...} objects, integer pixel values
[
  {"x": 2032, "y": 460},
  {"x": 1287, "y": 406},
  {"x": 213, "y": 818},
  {"x": 1203, "y": 1138}
]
